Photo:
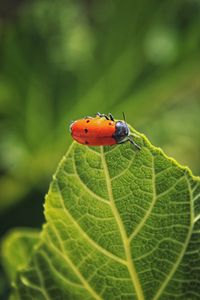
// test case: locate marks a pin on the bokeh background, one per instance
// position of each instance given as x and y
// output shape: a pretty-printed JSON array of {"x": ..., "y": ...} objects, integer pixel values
[{"x": 62, "y": 60}]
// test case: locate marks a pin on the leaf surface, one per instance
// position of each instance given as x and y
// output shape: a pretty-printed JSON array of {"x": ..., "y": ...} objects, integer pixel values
[
  {"x": 16, "y": 249},
  {"x": 121, "y": 224}
]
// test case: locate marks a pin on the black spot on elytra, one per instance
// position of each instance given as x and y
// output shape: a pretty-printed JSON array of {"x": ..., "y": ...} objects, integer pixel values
[
  {"x": 110, "y": 123},
  {"x": 86, "y": 130},
  {"x": 87, "y": 121},
  {"x": 86, "y": 142}
]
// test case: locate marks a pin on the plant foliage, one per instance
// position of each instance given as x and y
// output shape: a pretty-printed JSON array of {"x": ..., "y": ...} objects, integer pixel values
[{"x": 120, "y": 224}]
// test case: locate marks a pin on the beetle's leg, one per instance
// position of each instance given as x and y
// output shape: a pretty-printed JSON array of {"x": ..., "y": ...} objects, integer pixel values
[
  {"x": 133, "y": 143},
  {"x": 111, "y": 117},
  {"x": 102, "y": 116},
  {"x": 98, "y": 114}
]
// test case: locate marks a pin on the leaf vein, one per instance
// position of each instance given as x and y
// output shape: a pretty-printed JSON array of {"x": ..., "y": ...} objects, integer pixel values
[
  {"x": 73, "y": 267},
  {"x": 173, "y": 270},
  {"x": 130, "y": 264},
  {"x": 86, "y": 188},
  {"x": 143, "y": 221},
  {"x": 124, "y": 170},
  {"x": 56, "y": 272},
  {"x": 86, "y": 236}
]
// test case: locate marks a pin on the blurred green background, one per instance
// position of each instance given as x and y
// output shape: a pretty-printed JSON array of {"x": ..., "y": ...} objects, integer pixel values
[{"x": 62, "y": 60}]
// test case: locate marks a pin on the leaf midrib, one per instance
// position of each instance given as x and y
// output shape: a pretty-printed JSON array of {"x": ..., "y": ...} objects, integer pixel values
[{"x": 125, "y": 240}]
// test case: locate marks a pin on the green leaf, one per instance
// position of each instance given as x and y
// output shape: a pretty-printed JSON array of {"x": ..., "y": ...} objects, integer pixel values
[
  {"x": 17, "y": 248},
  {"x": 121, "y": 224}
]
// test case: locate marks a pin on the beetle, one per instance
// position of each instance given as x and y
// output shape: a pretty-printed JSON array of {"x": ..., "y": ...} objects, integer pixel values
[{"x": 101, "y": 130}]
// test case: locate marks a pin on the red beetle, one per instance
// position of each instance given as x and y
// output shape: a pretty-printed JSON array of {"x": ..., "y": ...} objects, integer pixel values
[{"x": 102, "y": 130}]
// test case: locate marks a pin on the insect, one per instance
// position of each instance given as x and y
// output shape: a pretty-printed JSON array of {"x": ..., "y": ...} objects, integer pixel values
[{"x": 101, "y": 130}]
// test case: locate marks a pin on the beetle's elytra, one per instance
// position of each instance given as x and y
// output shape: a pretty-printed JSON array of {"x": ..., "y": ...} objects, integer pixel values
[{"x": 101, "y": 130}]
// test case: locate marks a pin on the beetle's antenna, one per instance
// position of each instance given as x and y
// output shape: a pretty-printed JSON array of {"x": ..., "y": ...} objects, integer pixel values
[{"x": 123, "y": 114}]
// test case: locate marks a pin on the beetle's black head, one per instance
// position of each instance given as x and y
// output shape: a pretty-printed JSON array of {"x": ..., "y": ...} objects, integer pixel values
[{"x": 121, "y": 131}]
